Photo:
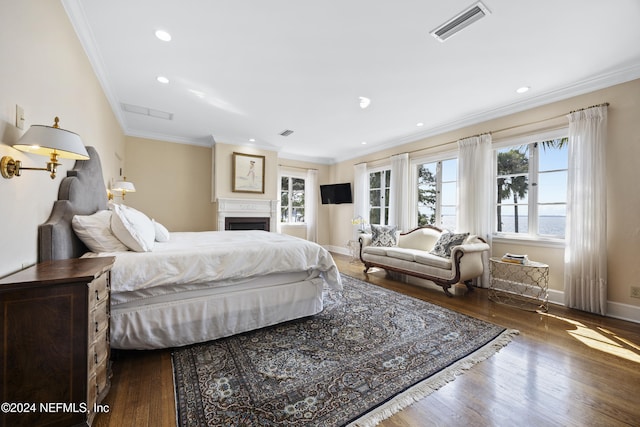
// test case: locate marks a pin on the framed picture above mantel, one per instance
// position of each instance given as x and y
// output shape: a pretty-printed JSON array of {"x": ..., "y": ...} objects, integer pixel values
[{"x": 248, "y": 173}]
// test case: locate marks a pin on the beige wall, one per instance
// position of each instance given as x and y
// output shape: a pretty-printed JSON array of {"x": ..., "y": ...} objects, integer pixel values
[
  {"x": 623, "y": 153},
  {"x": 173, "y": 183},
  {"x": 223, "y": 168},
  {"x": 45, "y": 70}
]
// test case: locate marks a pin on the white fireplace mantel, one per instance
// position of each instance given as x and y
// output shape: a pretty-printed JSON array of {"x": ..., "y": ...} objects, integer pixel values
[{"x": 247, "y": 208}]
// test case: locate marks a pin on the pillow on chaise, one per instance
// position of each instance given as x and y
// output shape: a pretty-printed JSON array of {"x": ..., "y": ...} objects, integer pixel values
[
  {"x": 446, "y": 242},
  {"x": 384, "y": 235}
]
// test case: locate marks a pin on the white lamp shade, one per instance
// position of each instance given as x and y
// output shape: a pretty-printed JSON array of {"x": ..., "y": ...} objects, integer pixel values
[
  {"x": 125, "y": 186},
  {"x": 45, "y": 140}
]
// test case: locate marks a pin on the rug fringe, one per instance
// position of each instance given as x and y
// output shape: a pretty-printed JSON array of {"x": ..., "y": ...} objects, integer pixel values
[{"x": 433, "y": 383}]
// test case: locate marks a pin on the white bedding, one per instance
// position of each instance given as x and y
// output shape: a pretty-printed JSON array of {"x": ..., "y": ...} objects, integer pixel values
[{"x": 218, "y": 258}]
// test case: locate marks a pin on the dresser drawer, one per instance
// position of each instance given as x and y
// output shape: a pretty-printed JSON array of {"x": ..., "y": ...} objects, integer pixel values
[
  {"x": 98, "y": 290},
  {"x": 98, "y": 351},
  {"x": 98, "y": 320},
  {"x": 102, "y": 376}
]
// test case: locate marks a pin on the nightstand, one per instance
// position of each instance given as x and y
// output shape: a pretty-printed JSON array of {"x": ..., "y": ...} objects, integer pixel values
[{"x": 54, "y": 340}]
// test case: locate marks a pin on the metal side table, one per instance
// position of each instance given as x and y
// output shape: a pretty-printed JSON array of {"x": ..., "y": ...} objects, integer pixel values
[{"x": 525, "y": 286}]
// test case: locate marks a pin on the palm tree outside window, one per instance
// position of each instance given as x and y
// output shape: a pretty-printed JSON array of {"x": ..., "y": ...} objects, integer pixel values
[{"x": 531, "y": 189}]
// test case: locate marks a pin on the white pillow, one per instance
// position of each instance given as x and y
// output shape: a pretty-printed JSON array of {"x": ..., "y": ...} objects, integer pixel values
[
  {"x": 133, "y": 228},
  {"x": 162, "y": 234},
  {"x": 95, "y": 232}
]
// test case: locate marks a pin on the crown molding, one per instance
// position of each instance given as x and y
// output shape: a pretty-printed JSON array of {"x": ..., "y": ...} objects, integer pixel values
[{"x": 594, "y": 83}]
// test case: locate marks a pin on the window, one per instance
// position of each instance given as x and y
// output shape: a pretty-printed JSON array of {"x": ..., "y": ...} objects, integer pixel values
[
  {"x": 379, "y": 188},
  {"x": 291, "y": 199},
  {"x": 531, "y": 188},
  {"x": 437, "y": 193}
]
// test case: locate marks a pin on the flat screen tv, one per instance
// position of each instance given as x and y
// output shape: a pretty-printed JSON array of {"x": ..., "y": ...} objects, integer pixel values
[{"x": 335, "y": 194}]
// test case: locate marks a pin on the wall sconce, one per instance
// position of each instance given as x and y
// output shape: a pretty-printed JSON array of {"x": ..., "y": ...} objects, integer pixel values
[
  {"x": 124, "y": 186},
  {"x": 47, "y": 141}
]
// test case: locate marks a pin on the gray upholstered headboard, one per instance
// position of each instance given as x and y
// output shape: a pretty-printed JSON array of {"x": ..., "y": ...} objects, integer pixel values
[{"x": 82, "y": 192}]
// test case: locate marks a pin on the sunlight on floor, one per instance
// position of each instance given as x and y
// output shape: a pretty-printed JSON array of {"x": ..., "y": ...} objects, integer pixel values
[{"x": 603, "y": 340}]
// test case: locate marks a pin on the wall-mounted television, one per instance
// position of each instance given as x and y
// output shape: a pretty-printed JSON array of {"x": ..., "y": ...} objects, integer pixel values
[{"x": 335, "y": 194}]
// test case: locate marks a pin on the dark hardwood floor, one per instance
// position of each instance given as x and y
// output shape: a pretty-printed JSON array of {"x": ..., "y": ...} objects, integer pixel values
[{"x": 565, "y": 368}]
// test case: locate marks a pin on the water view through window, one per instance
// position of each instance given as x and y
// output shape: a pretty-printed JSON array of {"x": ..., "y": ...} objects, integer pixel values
[{"x": 531, "y": 188}]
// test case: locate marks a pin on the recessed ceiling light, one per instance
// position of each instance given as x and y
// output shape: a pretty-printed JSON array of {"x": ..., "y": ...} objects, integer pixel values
[
  {"x": 364, "y": 102},
  {"x": 162, "y": 79},
  {"x": 523, "y": 89},
  {"x": 163, "y": 35},
  {"x": 364, "y": 142},
  {"x": 420, "y": 124},
  {"x": 252, "y": 140}
]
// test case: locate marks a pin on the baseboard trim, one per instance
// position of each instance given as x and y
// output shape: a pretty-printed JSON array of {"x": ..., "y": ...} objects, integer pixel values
[
  {"x": 621, "y": 311},
  {"x": 616, "y": 310},
  {"x": 337, "y": 249}
]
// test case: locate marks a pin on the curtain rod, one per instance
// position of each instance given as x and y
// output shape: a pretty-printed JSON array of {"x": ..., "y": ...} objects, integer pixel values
[
  {"x": 604, "y": 104},
  {"x": 297, "y": 167}
]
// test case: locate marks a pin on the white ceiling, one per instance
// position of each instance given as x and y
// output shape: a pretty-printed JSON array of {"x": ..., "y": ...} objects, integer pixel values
[{"x": 252, "y": 68}]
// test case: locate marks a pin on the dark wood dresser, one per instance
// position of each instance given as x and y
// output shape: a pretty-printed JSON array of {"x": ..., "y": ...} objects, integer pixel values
[{"x": 54, "y": 334}]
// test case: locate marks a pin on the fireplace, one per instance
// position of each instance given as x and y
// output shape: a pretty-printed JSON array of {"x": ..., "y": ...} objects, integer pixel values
[
  {"x": 247, "y": 214},
  {"x": 246, "y": 223}
]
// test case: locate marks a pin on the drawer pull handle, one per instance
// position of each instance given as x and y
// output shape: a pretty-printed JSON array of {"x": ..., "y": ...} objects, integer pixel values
[
  {"x": 96, "y": 326},
  {"x": 97, "y": 296},
  {"x": 95, "y": 357}
]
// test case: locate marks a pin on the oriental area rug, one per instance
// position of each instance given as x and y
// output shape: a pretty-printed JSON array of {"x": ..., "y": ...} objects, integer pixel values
[{"x": 368, "y": 354}]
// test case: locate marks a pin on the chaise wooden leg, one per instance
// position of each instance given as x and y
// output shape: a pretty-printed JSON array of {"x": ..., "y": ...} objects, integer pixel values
[
  {"x": 469, "y": 284},
  {"x": 445, "y": 288}
]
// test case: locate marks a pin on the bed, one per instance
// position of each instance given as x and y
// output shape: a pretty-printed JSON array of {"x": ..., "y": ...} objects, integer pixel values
[{"x": 195, "y": 286}]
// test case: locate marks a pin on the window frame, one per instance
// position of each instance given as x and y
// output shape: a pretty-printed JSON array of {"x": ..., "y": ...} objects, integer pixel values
[
  {"x": 382, "y": 170},
  {"x": 290, "y": 175},
  {"x": 413, "y": 197},
  {"x": 533, "y": 190}
]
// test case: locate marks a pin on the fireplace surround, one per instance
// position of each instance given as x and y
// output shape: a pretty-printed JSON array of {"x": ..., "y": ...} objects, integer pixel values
[{"x": 247, "y": 213}]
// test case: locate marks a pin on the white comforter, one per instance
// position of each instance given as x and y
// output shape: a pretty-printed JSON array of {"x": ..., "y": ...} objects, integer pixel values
[{"x": 205, "y": 257}]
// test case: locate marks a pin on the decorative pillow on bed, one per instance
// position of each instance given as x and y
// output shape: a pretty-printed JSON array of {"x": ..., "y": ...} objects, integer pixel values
[
  {"x": 446, "y": 242},
  {"x": 162, "y": 234},
  {"x": 384, "y": 235},
  {"x": 133, "y": 228},
  {"x": 95, "y": 232}
]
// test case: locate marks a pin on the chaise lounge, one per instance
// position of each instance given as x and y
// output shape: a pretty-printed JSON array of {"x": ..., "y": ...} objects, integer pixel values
[{"x": 427, "y": 252}]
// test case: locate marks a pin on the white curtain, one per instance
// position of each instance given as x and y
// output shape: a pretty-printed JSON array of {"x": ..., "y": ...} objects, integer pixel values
[
  {"x": 311, "y": 204},
  {"x": 474, "y": 192},
  {"x": 360, "y": 195},
  {"x": 279, "y": 203},
  {"x": 399, "y": 192},
  {"x": 585, "y": 268}
]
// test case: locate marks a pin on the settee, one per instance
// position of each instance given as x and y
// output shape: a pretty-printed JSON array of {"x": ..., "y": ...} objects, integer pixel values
[{"x": 427, "y": 252}]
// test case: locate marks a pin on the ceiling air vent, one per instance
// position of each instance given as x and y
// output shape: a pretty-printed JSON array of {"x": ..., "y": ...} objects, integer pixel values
[
  {"x": 136, "y": 109},
  {"x": 460, "y": 21},
  {"x": 286, "y": 132}
]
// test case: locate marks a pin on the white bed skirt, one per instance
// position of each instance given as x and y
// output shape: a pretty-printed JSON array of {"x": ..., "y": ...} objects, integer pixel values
[{"x": 204, "y": 317}]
